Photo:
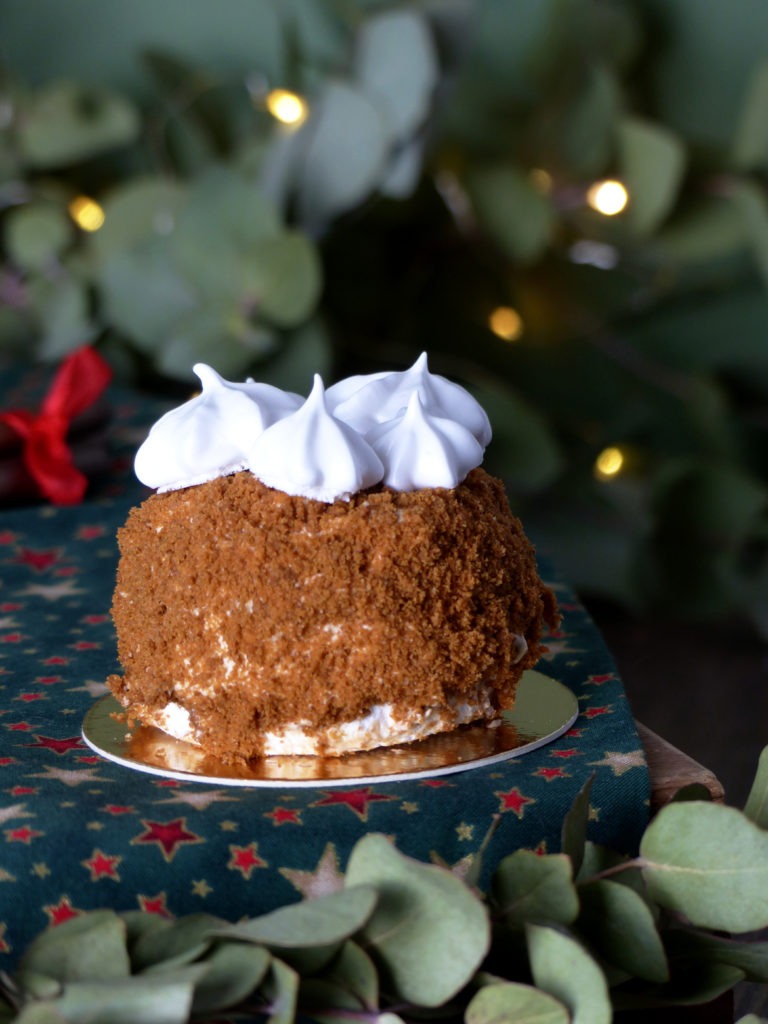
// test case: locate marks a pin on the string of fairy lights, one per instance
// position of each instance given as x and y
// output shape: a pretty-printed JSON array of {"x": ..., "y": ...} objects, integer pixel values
[{"x": 608, "y": 197}]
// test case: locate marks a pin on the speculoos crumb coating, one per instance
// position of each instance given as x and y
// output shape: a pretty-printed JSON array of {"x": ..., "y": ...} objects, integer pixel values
[{"x": 253, "y": 608}]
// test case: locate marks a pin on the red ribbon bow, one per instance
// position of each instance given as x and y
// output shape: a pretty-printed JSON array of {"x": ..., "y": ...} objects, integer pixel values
[{"x": 79, "y": 381}]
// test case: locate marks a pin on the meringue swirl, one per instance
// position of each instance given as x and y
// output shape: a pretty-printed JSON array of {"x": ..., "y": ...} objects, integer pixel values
[
  {"x": 204, "y": 438},
  {"x": 314, "y": 455},
  {"x": 407, "y": 430}
]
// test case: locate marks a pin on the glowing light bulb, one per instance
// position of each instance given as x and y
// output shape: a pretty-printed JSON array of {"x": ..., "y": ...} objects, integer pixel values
[
  {"x": 609, "y": 463},
  {"x": 287, "y": 107},
  {"x": 506, "y": 323},
  {"x": 86, "y": 213},
  {"x": 607, "y": 197}
]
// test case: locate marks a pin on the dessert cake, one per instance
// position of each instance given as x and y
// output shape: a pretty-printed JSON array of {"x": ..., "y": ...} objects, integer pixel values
[{"x": 325, "y": 575}]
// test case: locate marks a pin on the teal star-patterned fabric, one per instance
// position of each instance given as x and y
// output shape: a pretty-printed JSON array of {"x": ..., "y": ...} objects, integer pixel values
[{"x": 78, "y": 832}]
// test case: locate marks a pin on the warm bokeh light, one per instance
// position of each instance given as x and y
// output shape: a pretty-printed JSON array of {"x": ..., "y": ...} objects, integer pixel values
[
  {"x": 286, "y": 107},
  {"x": 86, "y": 213},
  {"x": 607, "y": 197},
  {"x": 609, "y": 462},
  {"x": 541, "y": 180},
  {"x": 506, "y": 323}
]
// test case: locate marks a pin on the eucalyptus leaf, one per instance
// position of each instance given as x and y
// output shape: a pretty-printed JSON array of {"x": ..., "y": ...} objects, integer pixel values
[
  {"x": 87, "y": 947},
  {"x": 586, "y": 135},
  {"x": 574, "y": 828},
  {"x": 233, "y": 338},
  {"x": 144, "y": 294},
  {"x": 619, "y": 926},
  {"x": 36, "y": 234},
  {"x": 512, "y": 210},
  {"x": 396, "y": 65},
  {"x": 353, "y": 970},
  {"x": 694, "y": 948},
  {"x": 181, "y": 942},
  {"x": 756, "y": 807},
  {"x": 750, "y": 200},
  {"x": 750, "y": 141},
  {"x": 135, "y": 1000},
  {"x": 708, "y": 228},
  {"x": 428, "y": 929},
  {"x": 524, "y": 450},
  {"x": 65, "y": 122},
  {"x": 529, "y": 888},
  {"x": 319, "y": 922},
  {"x": 282, "y": 278},
  {"x": 36, "y": 1013},
  {"x": 652, "y": 161},
  {"x": 511, "y": 1001},
  {"x": 564, "y": 969},
  {"x": 234, "y": 971},
  {"x": 140, "y": 207},
  {"x": 282, "y": 991},
  {"x": 710, "y": 863},
  {"x": 302, "y": 352},
  {"x": 344, "y": 157},
  {"x": 63, "y": 308}
]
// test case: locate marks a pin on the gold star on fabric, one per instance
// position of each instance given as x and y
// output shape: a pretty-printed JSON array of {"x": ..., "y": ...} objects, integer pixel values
[
  {"x": 325, "y": 879},
  {"x": 621, "y": 762},
  {"x": 228, "y": 826},
  {"x": 201, "y": 888},
  {"x": 41, "y": 870},
  {"x": 465, "y": 831},
  {"x": 594, "y": 813},
  {"x": 95, "y": 826},
  {"x": 409, "y": 807}
]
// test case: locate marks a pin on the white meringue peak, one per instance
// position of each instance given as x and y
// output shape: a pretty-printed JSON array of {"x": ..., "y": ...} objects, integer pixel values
[
  {"x": 208, "y": 436},
  {"x": 314, "y": 455},
  {"x": 419, "y": 449},
  {"x": 367, "y": 400}
]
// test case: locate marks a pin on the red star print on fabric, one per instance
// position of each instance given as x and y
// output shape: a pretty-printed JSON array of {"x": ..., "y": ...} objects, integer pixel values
[
  {"x": 356, "y": 800},
  {"x": 435, "y": 783},
  {"x": 570, "y": 752},
  {"x": 5, "y": 761},
  {"x": 56, "y": 745},
  {"x": 28, "y": 698},
  {"x": 84, "y": 645},
  {"x": 48, "y": 680},
  {"x": 4, "y": 947},
  {"x": 37, "y": 560},
  {"x": 7, "y": 537},
  {"x": 245, "y": 859},
  {"x": 11, "y": 638},
  {"x": 22, "y": 790},
  {"x": 94, "y": 620},
  {"x": 55, "y": 659},
  {"x": 552, "y": 773},
  {"x": 62, "y": 911},
  {"x": 606, "y": 709},
  {"x": 119, "y": 809},
  {"x": 23, "y": 834},
  {"x": 19, "y": 726},
  {"x": 514, "y": 801},
  {"x": 154, "y": 904},
  {"x": 600, "y": 680},
  {"x": 102, "y": 865},
  {"x": 169, "y": 836},
  {"x": 10, "y": 606},
  {"x": 285, "y": 815},
  {"x": 90, "y": 532}
]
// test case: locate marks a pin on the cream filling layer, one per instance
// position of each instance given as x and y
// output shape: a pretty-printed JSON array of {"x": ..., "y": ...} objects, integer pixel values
[{"x": 382, "y": 726}]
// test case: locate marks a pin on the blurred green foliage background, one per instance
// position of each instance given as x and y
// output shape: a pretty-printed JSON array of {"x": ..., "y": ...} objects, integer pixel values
[{"x": 442, "y": 173}]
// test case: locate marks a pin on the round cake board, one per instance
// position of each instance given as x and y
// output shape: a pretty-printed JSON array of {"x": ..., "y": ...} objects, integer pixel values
[{"x": 543, "y": 710}]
